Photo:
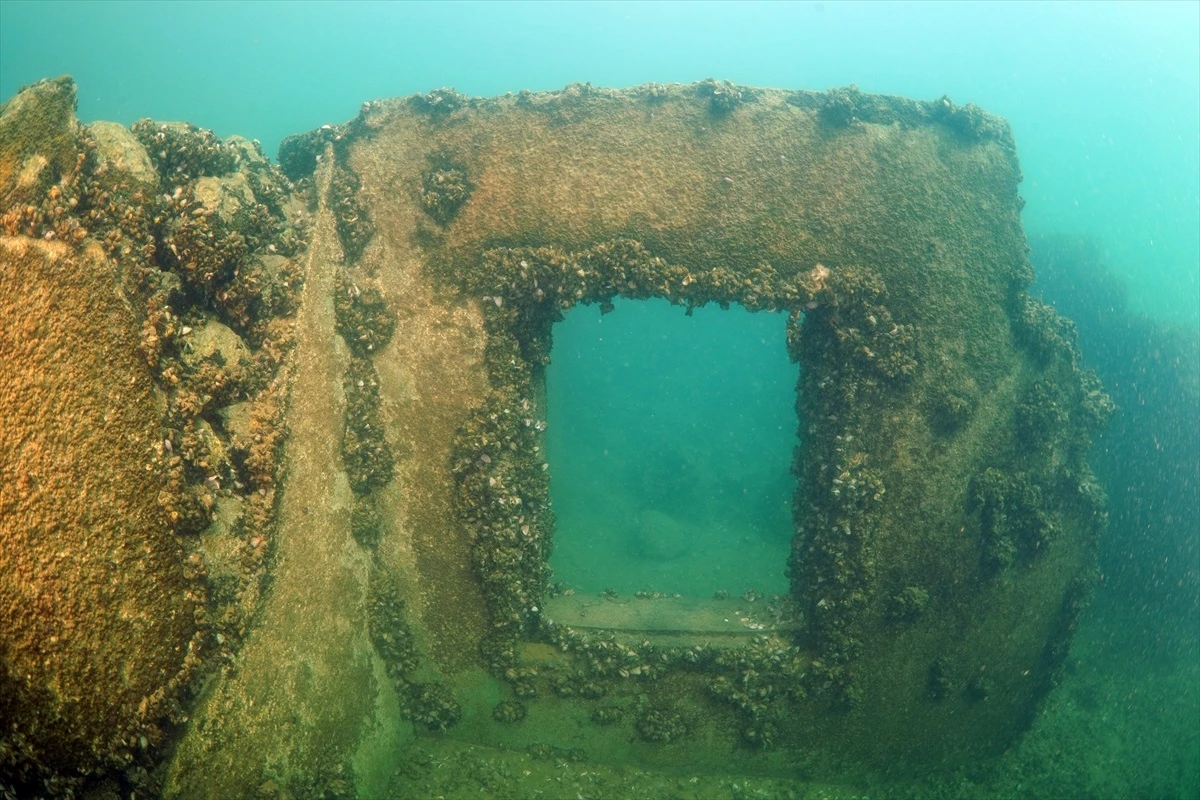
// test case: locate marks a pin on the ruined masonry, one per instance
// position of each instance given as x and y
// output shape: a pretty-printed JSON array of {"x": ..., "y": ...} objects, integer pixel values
[{"x": 274, "y": 506}]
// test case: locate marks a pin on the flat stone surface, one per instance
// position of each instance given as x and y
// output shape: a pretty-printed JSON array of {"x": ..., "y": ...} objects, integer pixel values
[{"x": 732, "y": 617}]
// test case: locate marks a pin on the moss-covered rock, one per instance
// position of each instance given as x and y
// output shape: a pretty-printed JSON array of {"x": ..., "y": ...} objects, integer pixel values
[
  {"x": 887, "y": 229},
  {"x": 183, "y": 152},
  {"x": 354, "y": 225},
  {"x": 660, "y": 725},
  {"x": 298, "y": 153},
  {"x": 388, "y": 626},
  {"x": 723, "y": 96},
  {"x": 509, "y": 711},
  {"x": 366, "y": 454},
  {"x": 39, "y": 140},
  {"x": 434, "y": 706},
  {"x": 119, "y": 151},
  {"x": 365, "y": 521},
  {"x": 97, "y": 618},
  {"x": 908, "y": 604},
  {"x": 363, "y": 317},
  {"x": 840, "y": 107},
  {"x": 444, "y": 188},
  {"x": 1013, "y": 519}
]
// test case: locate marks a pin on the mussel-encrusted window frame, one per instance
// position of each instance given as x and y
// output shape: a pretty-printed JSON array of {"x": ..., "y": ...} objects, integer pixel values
[{"x": 502, "y": 482}]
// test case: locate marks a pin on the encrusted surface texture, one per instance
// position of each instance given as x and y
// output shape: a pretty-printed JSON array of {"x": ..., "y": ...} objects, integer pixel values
[{"x": 275, "y": 498}]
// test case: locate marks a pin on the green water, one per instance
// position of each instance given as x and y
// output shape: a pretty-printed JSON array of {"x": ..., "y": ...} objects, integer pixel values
[{"x": 670, "y": 446}]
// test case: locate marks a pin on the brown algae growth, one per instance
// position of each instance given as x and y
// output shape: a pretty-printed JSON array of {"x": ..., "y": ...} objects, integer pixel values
[{"x": 275, "y": 479}]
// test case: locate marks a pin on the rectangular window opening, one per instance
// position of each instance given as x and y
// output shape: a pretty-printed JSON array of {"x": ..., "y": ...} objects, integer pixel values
[{"x": 670, "y": 443}]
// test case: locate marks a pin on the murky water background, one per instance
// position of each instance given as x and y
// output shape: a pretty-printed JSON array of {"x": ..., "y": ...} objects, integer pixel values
[{"x": 671, "y": 443}]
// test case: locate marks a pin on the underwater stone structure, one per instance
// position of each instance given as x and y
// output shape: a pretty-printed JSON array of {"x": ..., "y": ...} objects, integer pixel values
[
  {"x": 373, "y": 554},
  {"x": 97, "y": 605}
]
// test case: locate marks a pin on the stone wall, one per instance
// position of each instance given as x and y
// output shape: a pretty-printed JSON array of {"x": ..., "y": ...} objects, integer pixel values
[{"x": 305, "y": 616}]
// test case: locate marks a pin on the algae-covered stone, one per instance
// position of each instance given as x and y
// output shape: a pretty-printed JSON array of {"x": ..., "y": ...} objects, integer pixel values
[
  {"x": 310, "y": 704},
  {"x": 279, "y": 283},
  {"x": 248, "y": 153},
  {"x": 235, "y": 418},
  {"x": 183, "y": 152},
  {"x": 118, "y": 151},
  {"x": 299, "y": 153},
  {"x": 95, "y": 612},
  {"x": 217, "y": 343},
  {"x": 215, "y": 461},
  {"x": 39, "y": 139},
  {"x": 224, "y": 196},
  {"x": 888, "y": 229}
]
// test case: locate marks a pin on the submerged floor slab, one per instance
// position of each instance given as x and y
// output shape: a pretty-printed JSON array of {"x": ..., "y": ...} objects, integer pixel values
[{"x": 728, "y": 618}]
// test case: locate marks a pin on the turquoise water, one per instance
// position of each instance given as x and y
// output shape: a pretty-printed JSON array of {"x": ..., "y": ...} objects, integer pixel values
[
  {"x": 1102, "y": 97},
  {"x": 671, "y": 441},
  {"x": 1104, "y": 100}
]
